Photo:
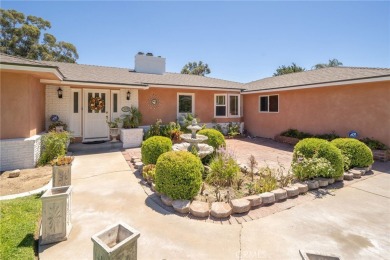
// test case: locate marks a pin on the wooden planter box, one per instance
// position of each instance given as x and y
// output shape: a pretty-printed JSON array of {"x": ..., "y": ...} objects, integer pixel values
[
  {"x": 56, "y": 214},
  {"x": 285, "y": 139},
  {"x": 132, "y": 137},
  {"x": 381, "y": 155},
  {"x": 62, "y": 175},
  {"x": 118, "y": 241}
]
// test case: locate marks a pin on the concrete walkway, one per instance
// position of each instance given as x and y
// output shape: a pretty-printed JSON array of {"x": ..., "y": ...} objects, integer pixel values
[{"x": 354, "y": 223}]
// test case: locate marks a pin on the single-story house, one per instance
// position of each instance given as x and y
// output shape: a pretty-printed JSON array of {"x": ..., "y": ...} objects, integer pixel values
[{"x": 332, "y": 99}]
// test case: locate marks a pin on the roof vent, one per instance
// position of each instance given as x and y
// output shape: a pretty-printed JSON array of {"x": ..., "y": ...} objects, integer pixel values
[{"x": 149, "y": 63}]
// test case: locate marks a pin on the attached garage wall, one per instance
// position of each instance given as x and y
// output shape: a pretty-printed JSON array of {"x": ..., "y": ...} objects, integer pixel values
[
  {"x": 166, "y": 110},
  {"x": 364, "y": 108}
]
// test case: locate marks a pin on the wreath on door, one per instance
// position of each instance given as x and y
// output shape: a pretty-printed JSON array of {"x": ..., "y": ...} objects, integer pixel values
[{"x": 96, "y": 104}]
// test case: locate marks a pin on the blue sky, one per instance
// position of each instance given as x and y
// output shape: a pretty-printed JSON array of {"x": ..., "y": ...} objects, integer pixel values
[{"x": 241, "y": 41}]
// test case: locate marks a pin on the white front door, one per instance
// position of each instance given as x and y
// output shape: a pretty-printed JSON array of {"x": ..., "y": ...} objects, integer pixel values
[{"x": 96, "y": 105}]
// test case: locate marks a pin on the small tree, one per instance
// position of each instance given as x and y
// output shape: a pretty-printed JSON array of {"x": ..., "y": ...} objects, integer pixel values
[
  {"x": 331, "y": 63},
  {"x": 281, "y": 70},
  {"x": 252, "y": 164},
  {"x": 195, "y": 68}
]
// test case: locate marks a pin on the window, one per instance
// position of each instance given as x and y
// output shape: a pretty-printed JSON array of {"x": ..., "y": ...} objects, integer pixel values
[
  {"x": 75, "y": 102},
  {"x": 234, "y": 105},
  {"x": 220, "y": 105},
  {"x": 226, "y": 105},
  {"x": 115, "y": 103},
  {"x": 269, "y": 103},
  {"x": 185, "y": 103}
]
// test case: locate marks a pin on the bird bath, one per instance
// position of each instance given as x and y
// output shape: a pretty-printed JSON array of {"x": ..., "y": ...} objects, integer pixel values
[{"x": 194, "y": 141}]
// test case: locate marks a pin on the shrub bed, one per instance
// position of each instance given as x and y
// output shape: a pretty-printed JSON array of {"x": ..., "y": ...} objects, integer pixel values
[
  {"x": 359, "y": 153},
  {"x": 216, "y": 139},
  {"x": 178, "y": 175},
  {"x": 153, "y": 147},
  {"x": 311, "y": 147}
]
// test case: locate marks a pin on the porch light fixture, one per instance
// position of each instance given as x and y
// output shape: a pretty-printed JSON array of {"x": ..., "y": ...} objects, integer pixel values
[
  {"x": 128, "y": 95},
  {"x": 59, "y": 91}
]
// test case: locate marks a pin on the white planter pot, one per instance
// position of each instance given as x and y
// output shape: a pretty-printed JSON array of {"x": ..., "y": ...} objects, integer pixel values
[
  {"x": 56, "y": 214},
  {"x": 114, "y": 132},
  {"x": 62, "y": 175},
  {"x": 118, "y": 241},
  {"x": 132, "y": 137}
]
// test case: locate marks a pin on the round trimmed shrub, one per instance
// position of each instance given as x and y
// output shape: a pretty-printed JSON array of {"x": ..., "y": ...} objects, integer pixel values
[
  {"x": 216, "y": 139},
  {"x": 153, "y": 147},
  {"x": 178, "y": 175},
  {"x": 311, "y": 147},
  {"x": 358, "y": 152}
]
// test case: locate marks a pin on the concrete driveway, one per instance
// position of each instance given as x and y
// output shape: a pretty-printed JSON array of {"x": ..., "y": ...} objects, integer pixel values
[{"x": 354, "y": 223}]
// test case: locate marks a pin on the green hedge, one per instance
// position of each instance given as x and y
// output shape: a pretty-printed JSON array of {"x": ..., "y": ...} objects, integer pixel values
[
  {"x": 153, "y": 147},
  {"x": 310, "y": 147},
  {"x": 358, "y": 152},
  {"x": 178, "y": 175},
  {"x": 216, "y": 139}
]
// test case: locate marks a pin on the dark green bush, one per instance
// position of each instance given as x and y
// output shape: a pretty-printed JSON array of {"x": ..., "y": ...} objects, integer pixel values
[
  {"x": 153, "y": 147},
  {"x": 322, "y": 149},
  {"x": 359, "y": 153},
  {"x": 328, "y": 137},
  {"x": 296, "y": 134},
  {"x": 216, "y": 139},
  {"x": 374, "y": 144},
  {"x": 178, "y": 175}
]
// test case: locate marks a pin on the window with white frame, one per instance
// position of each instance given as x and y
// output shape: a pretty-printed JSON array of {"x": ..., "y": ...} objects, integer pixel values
[
  {"x": 220, "y": 105},
  {"x": 269, "y": 103},
  {"x": 185, "y": 103},
  {"x": 234, "y": 105},
  {"x": 226, "y": 105}
]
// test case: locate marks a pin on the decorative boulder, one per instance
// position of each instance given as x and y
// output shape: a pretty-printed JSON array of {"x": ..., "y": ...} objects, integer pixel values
[
  {"x": 166, "y": 200},
  {"x": 240, "y": 205},
  {"x": 200, "y": 209},
  {"x": 302, "y": 187},
  {"x": 348, "y": 176},
  {"x": 267, "y": 197},
  {"x": 220, "y": 210},
  {"x": 181, "y": 206},
  {"x": 255, "y": 200},
  {"x": 280, "y": 194},
  {"x": 292, "y": 191},
  {"x": 14, "y": 174}
]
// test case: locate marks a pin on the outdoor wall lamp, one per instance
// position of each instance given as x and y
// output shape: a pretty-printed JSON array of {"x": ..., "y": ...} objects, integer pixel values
[
  {"x": 59, "y": 90},
  {"x": 128, "y": 95}
]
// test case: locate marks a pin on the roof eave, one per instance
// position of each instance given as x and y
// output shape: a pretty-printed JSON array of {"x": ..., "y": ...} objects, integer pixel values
[
  {"x": 322, "y": 84},
  {"x": 32, "y": 68}
]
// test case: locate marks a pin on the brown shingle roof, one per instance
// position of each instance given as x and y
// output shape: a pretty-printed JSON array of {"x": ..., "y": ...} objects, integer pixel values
[
  {"x": 100, "y": 74},
  {"x": 9, "y": 59},
  {"x": 319, "y": 76}
]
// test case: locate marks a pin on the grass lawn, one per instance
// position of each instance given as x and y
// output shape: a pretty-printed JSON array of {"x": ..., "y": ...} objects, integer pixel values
[{"x": 18, "y": 226}]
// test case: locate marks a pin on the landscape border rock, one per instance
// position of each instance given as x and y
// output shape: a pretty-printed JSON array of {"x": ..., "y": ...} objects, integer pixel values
[
  {"x": 181, "y": 206},
  {"x": 255, "y": 200},
  {"x": 220, "y": 210},
  {"x": 292, "y": 191},
  {"x": 280, "y": 194},
  {"x": 240, "y": 205},
  {"x": 200, "y": 209}
]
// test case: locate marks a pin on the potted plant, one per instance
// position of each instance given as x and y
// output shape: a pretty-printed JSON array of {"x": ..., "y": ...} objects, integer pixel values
[
  {"x": 56, "y": 124},
  {"x": 131, "y": 135},
  {"x": 62, "y": 166},
  {"x": 114, "y": 128}
]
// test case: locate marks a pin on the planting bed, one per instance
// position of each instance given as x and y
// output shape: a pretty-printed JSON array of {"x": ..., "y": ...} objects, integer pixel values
[{"x": 246, "y": 208}]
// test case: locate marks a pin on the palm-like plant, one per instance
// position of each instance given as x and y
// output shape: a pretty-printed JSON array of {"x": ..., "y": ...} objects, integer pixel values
[{"x": 331, "y": 63}]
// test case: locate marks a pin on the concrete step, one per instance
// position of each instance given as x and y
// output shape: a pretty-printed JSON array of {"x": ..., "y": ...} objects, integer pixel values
[{"x": 95, "y": 147}]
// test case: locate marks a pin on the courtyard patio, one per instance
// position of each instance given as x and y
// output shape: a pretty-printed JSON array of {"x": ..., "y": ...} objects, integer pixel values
[{"x": 351, "y": 222}]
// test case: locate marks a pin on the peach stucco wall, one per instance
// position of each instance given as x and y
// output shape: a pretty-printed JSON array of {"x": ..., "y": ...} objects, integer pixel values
[
  {"x": 22, "y": 105},
  {"x": 364, "y": 108},
  {"x": 167, "y": 107}
]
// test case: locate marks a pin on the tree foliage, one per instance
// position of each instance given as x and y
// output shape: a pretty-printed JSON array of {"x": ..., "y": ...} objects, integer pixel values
[
  {"x": 281, "y": 70},
  {"x": 21, "y": 36},
  {"x": 196, "y": 68},
  {"x": 331, "y": 63}
]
